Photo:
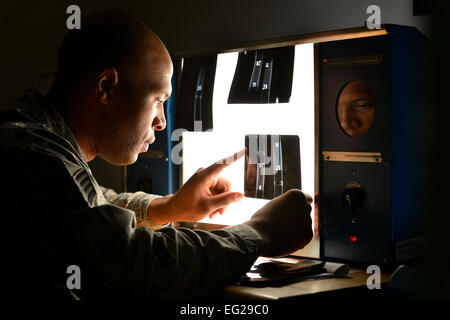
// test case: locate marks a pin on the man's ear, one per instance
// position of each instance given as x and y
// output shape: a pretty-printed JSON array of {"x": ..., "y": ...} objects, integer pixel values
[{"x": 106, "y": 82}]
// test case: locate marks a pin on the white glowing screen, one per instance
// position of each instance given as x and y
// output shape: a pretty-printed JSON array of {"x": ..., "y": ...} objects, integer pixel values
[{"x": 233, "y": 121}]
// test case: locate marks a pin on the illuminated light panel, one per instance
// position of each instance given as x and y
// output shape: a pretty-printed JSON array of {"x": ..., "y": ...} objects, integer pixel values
[{"x": 232, "y": 122}]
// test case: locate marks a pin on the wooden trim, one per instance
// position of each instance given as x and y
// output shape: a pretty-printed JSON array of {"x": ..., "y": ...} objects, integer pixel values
[
  {"x": 351, "y": 61},
  {"x": 343, "y": 34},
  {"x": 152, "y": 154},
  {"x": 352, "y": 156}
]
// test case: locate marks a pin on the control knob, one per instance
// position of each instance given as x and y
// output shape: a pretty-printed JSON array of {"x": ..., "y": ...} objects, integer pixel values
[{"x": 353, "y": 197}]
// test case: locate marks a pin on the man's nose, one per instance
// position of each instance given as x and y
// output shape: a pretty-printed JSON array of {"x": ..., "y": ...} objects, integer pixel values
[
  {"x": 159, "y": 123},
  {"x": 347, "y": 117}
]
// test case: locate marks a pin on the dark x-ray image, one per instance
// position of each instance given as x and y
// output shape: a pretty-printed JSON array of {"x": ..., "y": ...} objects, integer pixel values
[
  {"x": 263, "y": 76},
  {"x": 272, "y": 165}
]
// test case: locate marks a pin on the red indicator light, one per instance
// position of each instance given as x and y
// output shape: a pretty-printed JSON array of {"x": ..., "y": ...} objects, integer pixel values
[{"x": 353, "y": 239}]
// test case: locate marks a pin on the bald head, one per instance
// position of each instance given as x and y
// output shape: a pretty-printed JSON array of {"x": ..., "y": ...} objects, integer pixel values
[
  {"x": 113, "y": 77},
  {"x": 108, "y": 39}
]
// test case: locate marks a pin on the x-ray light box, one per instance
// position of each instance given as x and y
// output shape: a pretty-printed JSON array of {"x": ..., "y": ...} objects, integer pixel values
[{"x": 232, "y": 122}]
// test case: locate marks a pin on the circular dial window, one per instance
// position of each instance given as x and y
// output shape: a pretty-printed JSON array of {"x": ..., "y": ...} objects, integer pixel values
[{"x": 355, "y": 108}]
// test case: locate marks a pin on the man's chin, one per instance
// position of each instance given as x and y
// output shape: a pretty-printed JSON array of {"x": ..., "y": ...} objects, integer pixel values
[{"x": 121, "y": 161}]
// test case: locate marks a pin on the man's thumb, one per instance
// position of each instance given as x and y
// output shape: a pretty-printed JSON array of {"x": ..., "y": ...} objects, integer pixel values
[{"x": 224, "y": 199}]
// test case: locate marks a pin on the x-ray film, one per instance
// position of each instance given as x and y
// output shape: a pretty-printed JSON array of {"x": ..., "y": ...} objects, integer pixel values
[{"x": 272, "y": 165}]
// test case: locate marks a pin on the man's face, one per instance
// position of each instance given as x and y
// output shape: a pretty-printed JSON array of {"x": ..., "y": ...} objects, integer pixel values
[
  {"x": 133, "y": 115},
  {"x": 356, "y": 108}
]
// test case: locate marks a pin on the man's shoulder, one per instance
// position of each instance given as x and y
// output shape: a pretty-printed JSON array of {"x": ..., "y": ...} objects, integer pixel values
[
  {"x": 25, "y": 161},
  {"x": 37, "y": 161},
  {"x": 37, "y": 171},
  {"x": 30, "y": 151},
  {"x": 21, "y": 139}
]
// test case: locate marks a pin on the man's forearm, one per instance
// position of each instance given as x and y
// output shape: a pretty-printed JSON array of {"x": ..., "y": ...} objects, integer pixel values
[
  {"x": 160, "y": 211},
  {"x": 139, "y": 202},
  {"x": 191, "y": 264}
]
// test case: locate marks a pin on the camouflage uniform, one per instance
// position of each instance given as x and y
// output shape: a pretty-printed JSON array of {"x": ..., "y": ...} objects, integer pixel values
[{"x": 56, "y": 215}]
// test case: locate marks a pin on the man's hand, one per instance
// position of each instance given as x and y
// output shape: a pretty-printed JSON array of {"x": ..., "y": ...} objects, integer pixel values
[
  {"x": 204, "y": 194},
  {"x": 284, "y": 223}
]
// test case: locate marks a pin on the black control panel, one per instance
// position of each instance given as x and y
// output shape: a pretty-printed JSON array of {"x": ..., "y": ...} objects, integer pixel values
[{"x": 369, "y": 105}]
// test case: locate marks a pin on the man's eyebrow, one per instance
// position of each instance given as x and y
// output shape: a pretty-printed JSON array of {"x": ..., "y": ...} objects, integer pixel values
[
  {"x": 360, "y": 99},
  {"x": 163, "y": 91}
]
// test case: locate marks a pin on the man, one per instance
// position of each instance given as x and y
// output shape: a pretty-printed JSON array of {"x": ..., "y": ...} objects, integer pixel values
[{"x": 106, "y": 100}]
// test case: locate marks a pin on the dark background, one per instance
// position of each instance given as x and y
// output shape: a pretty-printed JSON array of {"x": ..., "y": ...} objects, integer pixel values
[{"x": 436, "y": 196}]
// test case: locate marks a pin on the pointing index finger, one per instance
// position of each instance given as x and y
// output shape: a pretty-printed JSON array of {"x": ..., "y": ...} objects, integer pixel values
[{"x": 219, "y": 165}]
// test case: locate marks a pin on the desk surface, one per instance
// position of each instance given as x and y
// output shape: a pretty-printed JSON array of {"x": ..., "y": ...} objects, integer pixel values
[{"x": 302, "y": 288}]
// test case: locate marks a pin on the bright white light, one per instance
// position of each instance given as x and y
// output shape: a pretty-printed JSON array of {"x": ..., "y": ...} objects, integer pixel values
[{"x": 233, "y": 121}]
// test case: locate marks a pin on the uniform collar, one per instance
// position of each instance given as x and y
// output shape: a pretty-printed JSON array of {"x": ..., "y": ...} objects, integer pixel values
[{"x": 39, "y": 110}]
